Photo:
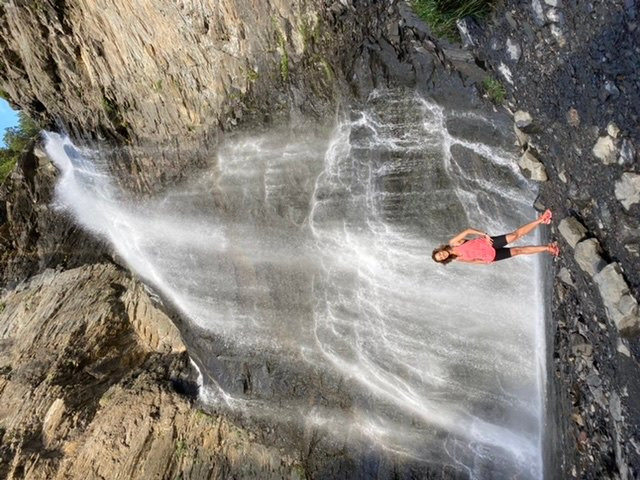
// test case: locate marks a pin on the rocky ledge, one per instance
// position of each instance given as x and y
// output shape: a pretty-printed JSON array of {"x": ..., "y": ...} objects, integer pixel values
[
  {"x": 91, "y": 386},
  {"x": 570, "y": 69}
]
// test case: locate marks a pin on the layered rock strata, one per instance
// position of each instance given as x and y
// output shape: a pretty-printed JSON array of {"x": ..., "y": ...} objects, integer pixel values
[{"x": 90, "y": 373}]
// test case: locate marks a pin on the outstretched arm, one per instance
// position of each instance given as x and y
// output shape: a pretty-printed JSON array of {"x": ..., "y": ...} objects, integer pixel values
[{"x": 459, "y": 239}]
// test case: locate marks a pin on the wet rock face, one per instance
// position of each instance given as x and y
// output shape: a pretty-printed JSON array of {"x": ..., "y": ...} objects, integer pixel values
[{"x": 576, "y": 76}]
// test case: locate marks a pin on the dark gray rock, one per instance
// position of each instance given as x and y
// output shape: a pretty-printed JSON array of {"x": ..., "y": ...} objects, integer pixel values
[
  {"x": 470, "y": 32},
  {"x": 627, "y": 153}
]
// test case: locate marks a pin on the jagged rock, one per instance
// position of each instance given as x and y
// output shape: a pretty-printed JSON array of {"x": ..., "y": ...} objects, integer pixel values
[
  {"x": 555, "y": 16},
  {"x": 605, "y": 150},
  {"x": 613, "y": 130},
  {"x": 558, "y": 34},
  {"x": 469, "y": 31},
  {"x": 609, "y": 91},
  {"x": 513, "y": 49},
  {"x": 621, "y": 306},
  {"x": 533, "y": 167},
  {"x": 563, "y": 177},
  {"x": 627, "y": 189},
  {"x": 523, "y": 120},
  {"x": 627, "y": 153},
  {"x": 98, "y": 396},
  {"x": 572, "y": 230},
  {"x": 573, "y": 117},
  {"x": 521, "y": 137},
  {"x": 615, "y": 407},
  {"x": 565, "y": 276},
  {"x": 552, "y": 3},
  {"x": 623, "y": 349},
  {"x": 587, "y": 255},
  {"x": 538, "y": 13}
]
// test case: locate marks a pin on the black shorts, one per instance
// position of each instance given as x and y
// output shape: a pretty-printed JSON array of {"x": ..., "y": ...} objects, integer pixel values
[{"x": 499, "y": 243}]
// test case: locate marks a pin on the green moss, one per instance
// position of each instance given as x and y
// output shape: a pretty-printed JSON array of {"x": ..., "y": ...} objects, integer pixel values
[
  {"x": 494, "y": 90},
  {"x": 284, "y": 56},
  {"x": 2, "y": 307},
  {"x": 252, "y": 75},
  {"x": 157, "y": 86},
  {"x": 441, "y": 15}
]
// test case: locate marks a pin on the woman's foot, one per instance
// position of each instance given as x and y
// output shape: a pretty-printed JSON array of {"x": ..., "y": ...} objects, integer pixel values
[
  {"x": 553, "y": 249},
  {"x": 546, "y": 217}
]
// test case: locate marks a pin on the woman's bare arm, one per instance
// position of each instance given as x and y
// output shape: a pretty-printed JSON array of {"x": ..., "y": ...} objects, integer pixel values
[{"x": 458, "y": 239}]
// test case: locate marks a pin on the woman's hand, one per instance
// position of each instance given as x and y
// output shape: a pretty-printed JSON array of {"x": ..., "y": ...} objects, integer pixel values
[{"x": 488, "y": 238}]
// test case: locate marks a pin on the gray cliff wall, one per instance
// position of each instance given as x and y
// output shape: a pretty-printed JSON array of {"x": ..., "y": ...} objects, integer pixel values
[{"x": 160, "y": 70}]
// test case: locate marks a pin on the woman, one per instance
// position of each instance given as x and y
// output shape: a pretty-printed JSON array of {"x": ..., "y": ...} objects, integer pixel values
[{"x": 486, "y": 249}]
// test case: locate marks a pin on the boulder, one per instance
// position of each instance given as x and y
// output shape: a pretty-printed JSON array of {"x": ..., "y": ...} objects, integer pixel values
[
  {"x": 572, "y": 230},
  {"x": 565, "y": 277},
  {"x": 533, "y": 167},
  {"x": 627, "y": 189},
  {"x": 587, "y": 255},
  {"x": 605, "y": 150},
  {"x": 524, "y": 121},
  {"x": 621, "y": 306}
]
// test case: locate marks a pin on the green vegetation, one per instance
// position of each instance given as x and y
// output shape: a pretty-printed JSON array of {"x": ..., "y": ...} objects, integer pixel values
[
  {"x": 157, "y": 86},
  {"x": 181, "y": 448},
  {"x": 441, "y": 15},
  {"x": 2, "y": 307},
  {"x": 284, "y": 57},
  {"x": 252, "y": 75},
  {"x": 494, "y": 90},
  {"x": 281, "y": 43},
  {"x": 17, "y": 140}
]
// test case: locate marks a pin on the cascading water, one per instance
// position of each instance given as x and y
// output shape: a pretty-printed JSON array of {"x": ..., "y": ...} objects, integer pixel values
[{"x": 318, "y": 250}]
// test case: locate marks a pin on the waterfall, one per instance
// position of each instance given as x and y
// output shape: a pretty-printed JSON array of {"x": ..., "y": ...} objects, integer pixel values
[{"x": 316, "y": 250}]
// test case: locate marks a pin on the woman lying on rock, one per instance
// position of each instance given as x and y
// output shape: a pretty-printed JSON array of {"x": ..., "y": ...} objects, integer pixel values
[{"x": 486, "y": 249}]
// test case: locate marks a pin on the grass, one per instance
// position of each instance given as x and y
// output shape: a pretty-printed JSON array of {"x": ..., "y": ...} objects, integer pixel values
[
  {"x": 442, "y": 15},
  {"x": 17, "y": 140},
  {"x": 494, "y": 90}
]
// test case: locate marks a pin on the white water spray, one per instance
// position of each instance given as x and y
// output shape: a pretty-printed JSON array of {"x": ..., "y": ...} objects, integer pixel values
[{"x": 319, "y": 250}]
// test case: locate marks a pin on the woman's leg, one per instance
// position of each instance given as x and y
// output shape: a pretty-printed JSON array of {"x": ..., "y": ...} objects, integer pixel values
[
  {"x": 523, "y": 230},
  {"x": 551, "y": 248}
]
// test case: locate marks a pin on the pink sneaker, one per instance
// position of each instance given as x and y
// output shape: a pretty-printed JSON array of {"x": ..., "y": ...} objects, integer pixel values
[{"x": 546, "y": 217}]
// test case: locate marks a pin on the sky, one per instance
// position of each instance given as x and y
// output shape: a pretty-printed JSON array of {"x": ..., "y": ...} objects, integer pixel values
[{"x": 8, "y": 118}]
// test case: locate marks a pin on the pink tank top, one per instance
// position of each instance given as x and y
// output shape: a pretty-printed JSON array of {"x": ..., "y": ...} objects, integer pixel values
[{"x": 476, "y": 249}]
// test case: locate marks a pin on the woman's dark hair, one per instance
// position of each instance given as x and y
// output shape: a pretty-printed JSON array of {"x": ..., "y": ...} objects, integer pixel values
[{"x": 443, "y": 248}]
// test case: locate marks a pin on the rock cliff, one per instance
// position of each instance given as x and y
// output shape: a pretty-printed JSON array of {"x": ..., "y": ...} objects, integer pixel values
[
  {"x": 91, "y": 386},
  {"x": 88, "y": 363},
  {"x": 570, "y": 70}
]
